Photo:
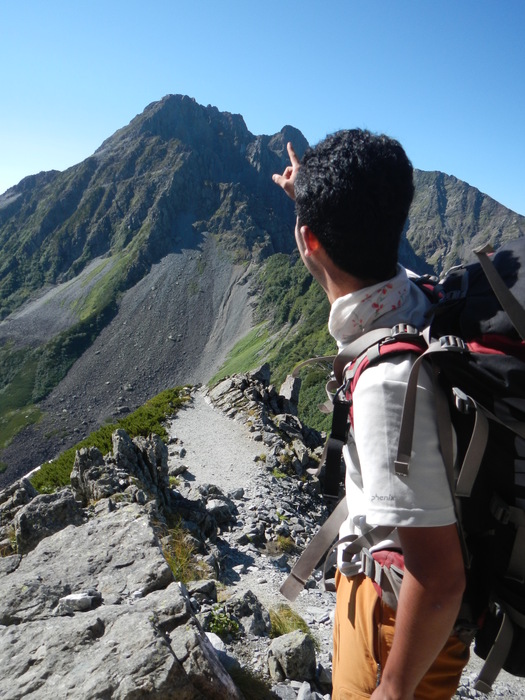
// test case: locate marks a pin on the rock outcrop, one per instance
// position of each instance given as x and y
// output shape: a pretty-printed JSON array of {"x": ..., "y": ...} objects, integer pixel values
[{"x": 89, "y": 606}]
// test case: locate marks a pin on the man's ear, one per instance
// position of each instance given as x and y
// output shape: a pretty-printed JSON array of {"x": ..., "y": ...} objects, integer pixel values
[{"x": 310, "y": 240}]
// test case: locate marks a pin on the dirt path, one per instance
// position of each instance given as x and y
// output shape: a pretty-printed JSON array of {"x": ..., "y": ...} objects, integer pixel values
[{"x": 219, "y": 450}]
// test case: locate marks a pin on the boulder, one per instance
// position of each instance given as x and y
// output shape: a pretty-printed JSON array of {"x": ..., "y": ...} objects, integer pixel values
[
  {"x": 246, "y": 608},
  {"x": 45, "y": 515},
  {"x": 292, "y": 656}
]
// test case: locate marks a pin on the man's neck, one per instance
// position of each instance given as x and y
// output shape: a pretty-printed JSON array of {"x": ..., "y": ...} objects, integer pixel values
[{"x": 338, "y": 284}]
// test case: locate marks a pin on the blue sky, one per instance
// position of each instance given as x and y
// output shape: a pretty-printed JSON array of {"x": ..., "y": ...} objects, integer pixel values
[{"x": 444, "y": 77}]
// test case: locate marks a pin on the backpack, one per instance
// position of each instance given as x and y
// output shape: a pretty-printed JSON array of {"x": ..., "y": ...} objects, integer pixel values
[{"x": 474, "y": 344}]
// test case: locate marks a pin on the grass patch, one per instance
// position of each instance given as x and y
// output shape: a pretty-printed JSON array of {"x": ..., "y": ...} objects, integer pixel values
[
  {"x": 284, "y": 620},
  {"x": 105, "y": 290},
  {"x": 147, "y": 419},
  {"x": 18, "y": 370},
  {"x": 179, "y": 552},
  {"x": 12, "y": 422},
  {"x": 285, "y": 543},
  {"x": 246, "y": 355}
]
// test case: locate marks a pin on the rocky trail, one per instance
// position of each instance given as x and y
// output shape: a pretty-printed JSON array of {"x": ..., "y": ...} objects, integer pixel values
[
  {"x": 215, "y": 450},
  {"x": 82, "y": 567}
]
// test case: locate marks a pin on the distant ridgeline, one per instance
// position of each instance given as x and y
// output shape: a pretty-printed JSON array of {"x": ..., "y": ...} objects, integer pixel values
[{"x": 186, "y": 191}]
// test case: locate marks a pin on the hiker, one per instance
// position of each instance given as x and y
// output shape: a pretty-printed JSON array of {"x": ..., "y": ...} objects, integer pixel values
[{"x": 352, "y": 193}]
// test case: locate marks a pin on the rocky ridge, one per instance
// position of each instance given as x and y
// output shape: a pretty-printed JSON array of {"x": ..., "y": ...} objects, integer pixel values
[{"x": 88, "y": 602}]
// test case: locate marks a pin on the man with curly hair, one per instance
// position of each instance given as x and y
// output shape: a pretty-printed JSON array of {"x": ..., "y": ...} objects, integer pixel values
[{"x": 353, "y": 192}]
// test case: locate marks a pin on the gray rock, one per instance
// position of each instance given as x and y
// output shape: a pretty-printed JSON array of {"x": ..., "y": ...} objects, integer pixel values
[
  {"x": 262, "y": 374},
  {"x": 104, "y": 660},
  {"x": 289, "y": 424},
  {"x": 203, "y": 590},
  {"x": 289, "y": 390},
  {"x": 285, "y": 692},
  {"x": 15, "y": 497},
  {"x": 247, "y": 609},
  {"x": 78, "y": 602},
  {"x": 113, "y": 563},
  {"x": 116, "y": 553},
  {"x": 45, "y": 515},
  {"x": 229, "y": 662},
  {"x": 305, "y": 692},
  {"x": 222, "y": 509},
  {"x": 292, "y": 656}
]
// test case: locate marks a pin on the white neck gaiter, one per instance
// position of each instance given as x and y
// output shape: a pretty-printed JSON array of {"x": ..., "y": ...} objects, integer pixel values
[{"x": 355, "y": 313}]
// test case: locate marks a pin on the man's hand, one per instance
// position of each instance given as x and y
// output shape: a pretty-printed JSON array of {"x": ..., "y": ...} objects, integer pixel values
[{"x": 287, "y": 179}]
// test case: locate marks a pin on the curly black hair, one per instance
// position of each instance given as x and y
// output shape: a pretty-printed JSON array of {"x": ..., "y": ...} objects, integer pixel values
[{"x": 354, "y": 190}]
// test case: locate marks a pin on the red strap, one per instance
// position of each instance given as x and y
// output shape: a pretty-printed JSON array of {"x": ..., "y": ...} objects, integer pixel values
[
  {"x": 385, "y": 348},
  {"x": 388, "y": 558},
  {"x": 494, "y": 344}
]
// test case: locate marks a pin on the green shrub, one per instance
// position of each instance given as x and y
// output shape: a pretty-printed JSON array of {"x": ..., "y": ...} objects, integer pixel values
[
  {"x": 222, "y": 623},
  {"x": 146, "y": 420}
]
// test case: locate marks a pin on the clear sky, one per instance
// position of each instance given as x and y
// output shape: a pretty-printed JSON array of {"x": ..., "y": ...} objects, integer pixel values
[{"x": 445, "y": 77}]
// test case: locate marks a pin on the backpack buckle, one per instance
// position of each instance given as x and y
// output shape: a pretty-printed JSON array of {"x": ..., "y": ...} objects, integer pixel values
[
  {"x": 464, "y": 403},
  {"x": 453, "y": 342},
  {"x": 405, "y": 331}
]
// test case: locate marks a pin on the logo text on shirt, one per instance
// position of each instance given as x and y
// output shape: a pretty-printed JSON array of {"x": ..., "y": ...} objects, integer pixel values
[{"x": 378, "y": 497}]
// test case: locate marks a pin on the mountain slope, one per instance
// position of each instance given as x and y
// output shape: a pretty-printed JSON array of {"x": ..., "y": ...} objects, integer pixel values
[
  {"x": 449, "y": 218},
  {"x": 133, "y": 270}
]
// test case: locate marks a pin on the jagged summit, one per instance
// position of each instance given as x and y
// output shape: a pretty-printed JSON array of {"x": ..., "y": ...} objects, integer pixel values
[{"x": 180, "y": 117}]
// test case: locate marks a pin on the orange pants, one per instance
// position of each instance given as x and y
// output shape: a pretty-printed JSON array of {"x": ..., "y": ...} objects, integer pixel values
[{"x": 363, "y": 633}]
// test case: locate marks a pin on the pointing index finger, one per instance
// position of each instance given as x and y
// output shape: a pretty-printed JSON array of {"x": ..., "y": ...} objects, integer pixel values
[{"x": 294, "y": 160}]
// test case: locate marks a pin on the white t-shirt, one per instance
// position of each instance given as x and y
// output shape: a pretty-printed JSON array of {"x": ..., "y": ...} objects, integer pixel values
[{"x": 375, "y": 494}]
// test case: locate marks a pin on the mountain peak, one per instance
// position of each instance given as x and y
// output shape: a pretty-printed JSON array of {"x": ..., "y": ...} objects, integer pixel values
[{"x": 180, "y": 117}]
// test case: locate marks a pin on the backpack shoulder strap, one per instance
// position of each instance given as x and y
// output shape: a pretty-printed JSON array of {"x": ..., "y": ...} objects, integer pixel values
[
  {"x": 314, "y": 552},
  {"x": 356, "y": 348}
]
